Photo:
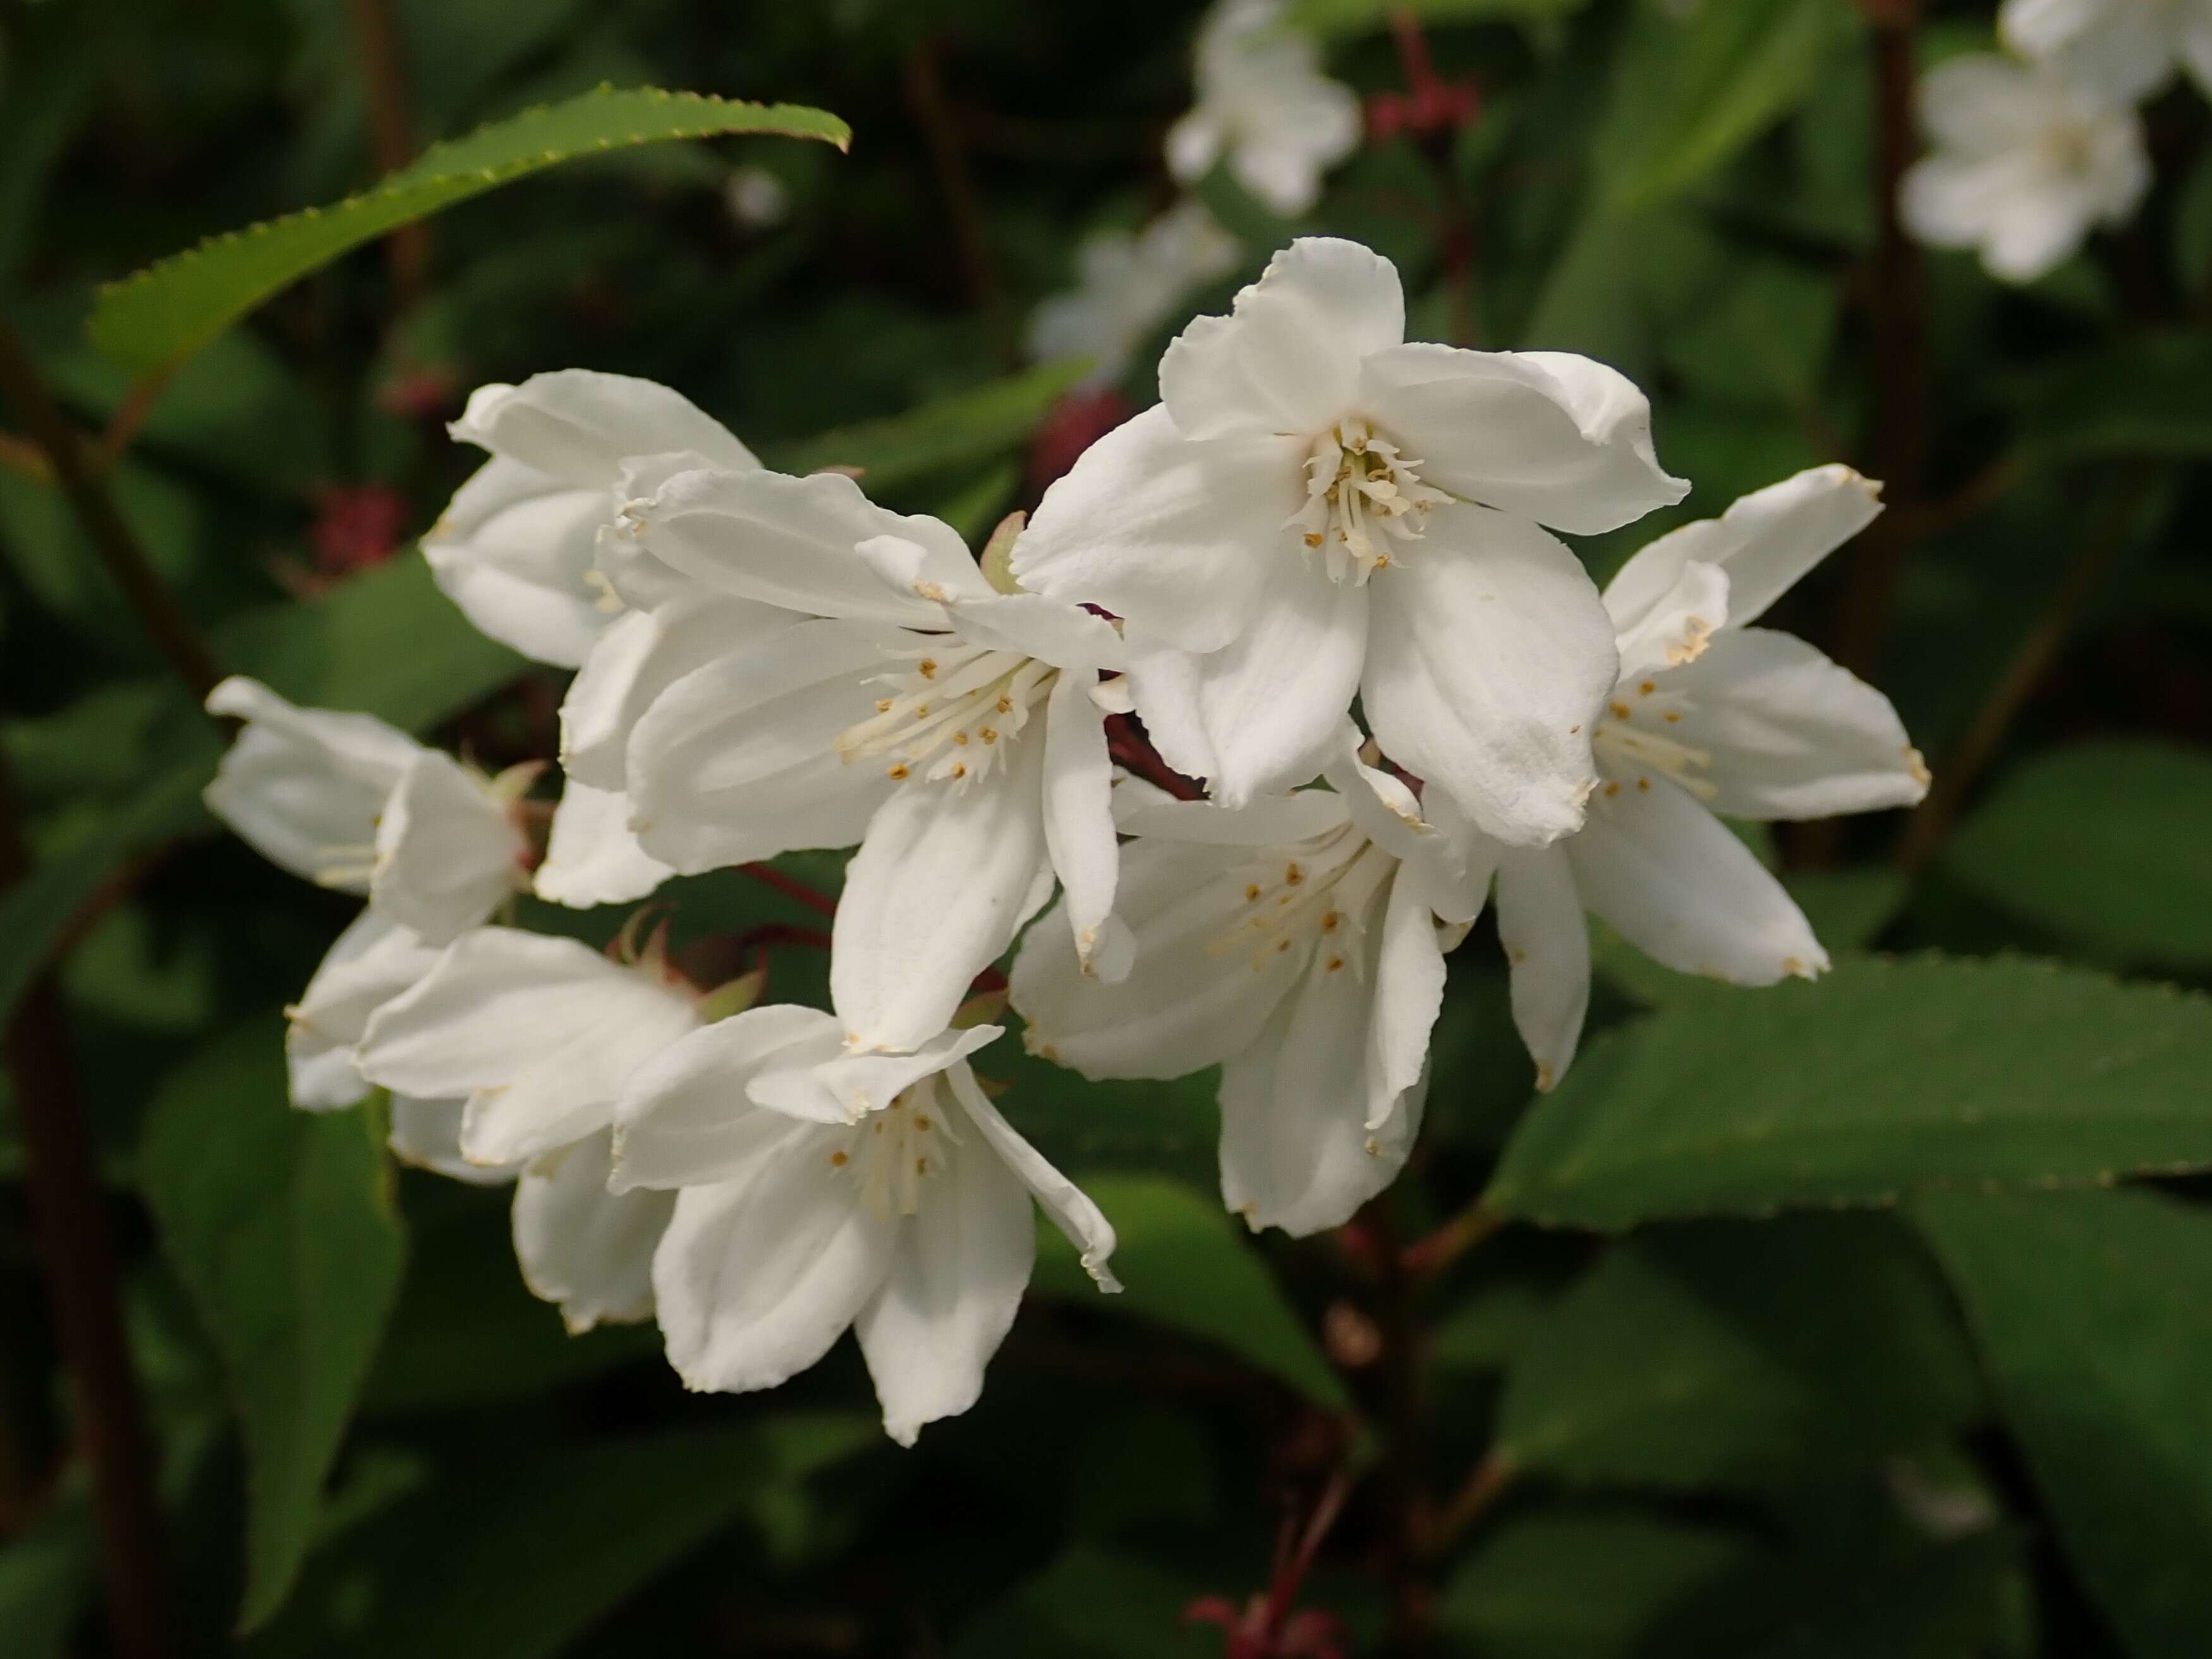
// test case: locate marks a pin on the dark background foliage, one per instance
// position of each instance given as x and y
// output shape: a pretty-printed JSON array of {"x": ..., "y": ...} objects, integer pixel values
[{"x": 1770, "y": 1338}]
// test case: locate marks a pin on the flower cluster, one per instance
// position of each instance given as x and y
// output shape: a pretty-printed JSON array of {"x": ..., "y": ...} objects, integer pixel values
[
  {"x": 1313, "y": 599},
  {"x": 2034, "y": 149}
]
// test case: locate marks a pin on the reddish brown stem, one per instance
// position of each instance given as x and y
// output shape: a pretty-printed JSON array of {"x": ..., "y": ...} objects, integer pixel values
[
  {"x": 963, "y": 203},
  {"x": 111, "y": 539},
  {"x": 69, "y": 1217},
  {"x": 1405, "y": 1502},
  {"x": 1127, "y": 747},
  {"x": 392, "y": 133},
  {"x": 791, "y": 887}
]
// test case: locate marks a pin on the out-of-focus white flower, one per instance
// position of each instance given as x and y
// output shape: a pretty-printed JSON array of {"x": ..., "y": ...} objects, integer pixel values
[
  {"x": 955, "y": 730},
  {"x": 1126, "y": 285},
  {"x": 1711, "y": 716},
  {"x": 1318, "y": 509},
  {"x": 1264, "y": 106},
  {"x": 352, "y": 803},
  {"x": 2027, "y": 163},
  {"x": 527, "y": 1042},
  {"x": 817, "y": 1189},
  {"x": 514, "y": 550},
  {"x": 2123, "y": 48},
  {"x": 1299, "y": 943},
  {"x": 757, "y": 199}
]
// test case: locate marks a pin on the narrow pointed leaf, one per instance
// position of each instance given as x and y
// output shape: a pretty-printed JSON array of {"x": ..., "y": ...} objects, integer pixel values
[{"x": 155, "y": 319}]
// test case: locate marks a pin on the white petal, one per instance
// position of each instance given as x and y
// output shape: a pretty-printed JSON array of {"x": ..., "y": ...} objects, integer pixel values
[
  {"x": 1270, "y": 821},
  {"x": 1078, "y": 824},
  {"x": 1196, "y": 993},
  {"x": 303, "y": 786},
  {"x": 683, "y": 1119},
  {"x": 1288, "y": 359},
  {"x": 448, "y": 851},
  {"x": 957, "y": 1276},
  {"x": 1183, "y": 539},
  {"x": 578, "y": 424},
  {"x": 1051, "y": 630},
  {"x": 945, "y": 878},
  {"x": 581, "y": 1246},
  {"x": 1449, "y": 864},
  {"x": 1546, "y": 940},
  {"x": 844, "y": 1087},
  {"x": 541, "y": 1034},
  {"x": 1544, "y": 434},
  {"x": 427, "y": 1133},
  {"x": 756, "y": 1277},
  {"x": 1407, "y": 972},
  {"x": 1194, "y": 145},
  {"x": 737, "y": 760},
  {"x": 640, "y": 654},
  {"x": 373, "y": 961},
  {"x": 1079, "y": 1220},
  {"x": 1679, "y": 624},
  {"x": 1294, "y": 1138},
  {"x": 938, "y": 569},
  {"x": 1259, "y": 715},
  {"x": 1765, "y": 542},
  {"x": 1672, "y": 881},
  {"x": 513, "y": 550},
  {"x": 786, "y": 541},
  {"x": 590, "y": 855},
  {"x": 1791, "y": 734},
  {"x": 1490, "y": 658}
]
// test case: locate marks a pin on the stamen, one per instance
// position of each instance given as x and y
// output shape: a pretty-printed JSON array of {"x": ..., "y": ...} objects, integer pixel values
[
  {"x": 1361, "y": 495},
  {"x": 958, "y": 698}
]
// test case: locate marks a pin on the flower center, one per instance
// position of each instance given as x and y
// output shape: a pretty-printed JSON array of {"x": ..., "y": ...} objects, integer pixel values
[
  {"x": 1317, "y": 892},
  {"x": 952, "y": 714},
  {"x": 1362, "y": 498},
  {"x": 2067, "y": 146},
  {"x": 1633, "y": 735},
  {"x": 893, "y": 1152}
]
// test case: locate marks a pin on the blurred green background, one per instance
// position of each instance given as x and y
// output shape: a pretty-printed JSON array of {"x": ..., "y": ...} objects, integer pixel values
[{"x": 1929, "y": 1409}]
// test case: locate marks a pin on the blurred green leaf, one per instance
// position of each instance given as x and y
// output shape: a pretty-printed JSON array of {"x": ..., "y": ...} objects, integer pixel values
[
  {"x": 153, "y": 320},
  {"x": 514, "y": 1559},
  {"x": 281, "y": 1226},
  {"x": 2142, "y": 393},
  {"x": 1591, "y": 1587},
  {"x": 976, "y": 425},
  {"x": 1740, "y": 1353},
  {"x": 1886, "y": 1078},
  {"x": 2093, "y": 1312},
  {"x": 1688, "y": 93},
  {"x": 1091, "y": 1603},
  {"x": 1346, "y": 17},
  {"x": 1485, "y": 1332},
  {"x": 45, "y": 1575},
  {"x": 1181, "y": 1258},
  {"x": 2102, "y": 843}
]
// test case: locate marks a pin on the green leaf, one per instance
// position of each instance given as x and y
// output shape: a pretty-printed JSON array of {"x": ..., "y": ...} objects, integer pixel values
[
  {"x": 1183, "y": 1262},
  {"x": 976, "y": 425},
  {"x": 1689, "y": 93},
  {"x": 281, "y": 1226},
  {"x": 1741, "y": 1354},
  {"x": 1589, "y": 1587},
  {"x": 1090, "y": 1603},
  {"x": 515, "y": 1560},
  {"x": 152, "y": 321},
  {"x": 2093, "y": 1312},
  {"x": 1330, "y": 18},
  {"x": 2140, "y": 394},
  {"x": 45, "y": 1575},
  {"x": 2102, "y": 844},
  {"x": 1886, "y": 1078}
]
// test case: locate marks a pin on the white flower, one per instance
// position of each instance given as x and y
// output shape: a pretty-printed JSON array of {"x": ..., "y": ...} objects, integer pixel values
[
  {"x": 757, "y": 199},
  {"x": 1265, "y": 105},
  {"x": 1711, "y": 716},
  {"x": 1296, "y": 941},
  {"x": 1127, "y": 286},
  {"x": 820, "y": 1190},
  {"x": 2124, "y": 48},
  {"x": 956, "y": 732},
  {"x": 531, "y": 1039},
  {"x": 1318, "y": 509},
  {"x": 514, "y": 551},
  {"x": 592, "y": 854},
  {"x": 352, "y": 803},
  {"x": 2026, "y": 163}
]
